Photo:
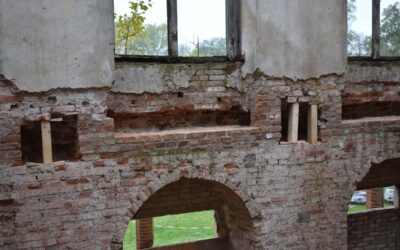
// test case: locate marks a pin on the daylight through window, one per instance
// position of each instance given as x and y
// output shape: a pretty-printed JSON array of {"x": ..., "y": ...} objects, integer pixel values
[
  {"x": 176, "y": 28},
  {"x": 373, "y": 28}
]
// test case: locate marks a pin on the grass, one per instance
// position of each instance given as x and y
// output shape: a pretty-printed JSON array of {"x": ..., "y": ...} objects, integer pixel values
[
  {"x": 172, "y": 229},
  {"x": 354, "y": 208}
]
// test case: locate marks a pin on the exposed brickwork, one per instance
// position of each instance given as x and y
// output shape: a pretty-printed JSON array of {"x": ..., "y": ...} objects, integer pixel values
[
  {"x": 374, "y": 198},
  {"x": 377, "y": 229},
  {"x": 144, "y": 233},
  {"x": 295, "y": 195}
]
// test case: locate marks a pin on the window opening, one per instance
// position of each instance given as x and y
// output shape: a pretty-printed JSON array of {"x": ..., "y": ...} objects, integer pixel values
[
  {"x": 359, "y": 27},
  {"x": 367, "y": 199},
  {"x": 175, "y": 29},
  {"x": 373, "y": 29},
  {"x": 390, "y": 28},
  {"x": 141, "y": 27},
  {"x": 48, "y": 141},
  {"x": 199, "y": 36},
  {"x": 299, "y": 121}
]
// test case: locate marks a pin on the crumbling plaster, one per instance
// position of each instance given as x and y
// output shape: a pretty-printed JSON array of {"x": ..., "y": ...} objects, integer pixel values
[
  {"x": 297, "y": 39},
  {"x": 64, "y": 44},
  {"x": 373, "y": 71},
  {"x": 48, "y": 44}
]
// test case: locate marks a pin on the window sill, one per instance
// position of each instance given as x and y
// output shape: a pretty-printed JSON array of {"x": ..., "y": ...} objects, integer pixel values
[
  {"x": 371, "y": 59},
  {"x": 185, "y": 134},
  {"x": 176, "y": 60}
]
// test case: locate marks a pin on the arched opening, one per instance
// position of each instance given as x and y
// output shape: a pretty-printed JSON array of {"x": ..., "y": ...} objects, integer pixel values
[
  {"x": 203, "y": 201},
  {"x": 373, "y": 220}
]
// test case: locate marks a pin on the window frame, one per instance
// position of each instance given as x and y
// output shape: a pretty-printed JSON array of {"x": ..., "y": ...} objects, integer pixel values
[
  {"x": 233, "y": 39},
  {"x": 375, "y": 38}
]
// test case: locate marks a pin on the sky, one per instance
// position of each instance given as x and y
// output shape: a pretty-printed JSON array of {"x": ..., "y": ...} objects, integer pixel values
[
  {"x": 195, "y": 17},
  {"x": 363, "y": 21}
]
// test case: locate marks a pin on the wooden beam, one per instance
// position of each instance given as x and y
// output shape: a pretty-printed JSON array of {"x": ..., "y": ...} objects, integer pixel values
[
  {"x": 312, "y": 124},
  {"x": 293, "y": 126},
  {"x": 233, "y": 43},
  {"x": 46, "y": 142},
  {"x": 376, "y": 28},
  {"x": 172, "y": 19}
]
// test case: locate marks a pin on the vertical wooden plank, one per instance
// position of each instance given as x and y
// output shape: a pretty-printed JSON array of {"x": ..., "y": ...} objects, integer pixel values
[
  {"x": 172, "y": 19},
  {"x": 293, "y": 128},
  {"x": 312, "y": 124},
  {"x": 376, "y": 28},
  {"x": 46, "y": 142},
  {"x": 233, "y": 43}
]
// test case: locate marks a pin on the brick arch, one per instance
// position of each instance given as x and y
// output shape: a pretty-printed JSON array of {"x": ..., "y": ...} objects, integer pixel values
[
  {"x": 382, "y": 224},
  {"x": 217, "y": 193}
]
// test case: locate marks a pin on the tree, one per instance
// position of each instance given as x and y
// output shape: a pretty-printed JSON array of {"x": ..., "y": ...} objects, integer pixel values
[
  {"x": 390, "y": 30},
  {"x": 213, "y": 47},
  {"x": 358, "y": 44},
  {"x": 153, "y": 40},
  {"x": 127, "y": 27}
]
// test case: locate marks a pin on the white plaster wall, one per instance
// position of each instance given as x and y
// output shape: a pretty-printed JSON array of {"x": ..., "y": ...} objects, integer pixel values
[
  {"x": 294, "y": 38},
  {"x": 47, "y": 44}
]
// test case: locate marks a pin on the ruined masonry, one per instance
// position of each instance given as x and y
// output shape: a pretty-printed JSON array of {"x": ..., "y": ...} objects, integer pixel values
[{"x": 276, "y": 143}]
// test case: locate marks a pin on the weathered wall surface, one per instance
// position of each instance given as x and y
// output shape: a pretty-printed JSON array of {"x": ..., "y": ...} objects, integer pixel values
[
  {"x": 370, "y": 71},
  {"x": 377, "y": 229},
  {"x": 50, "y": 44},
  {"x": 73, "y": 48},
  {"x": 296, "y": 194},
  {"x": 294, "y": 38},
  {"x": 292, "y": 191}
]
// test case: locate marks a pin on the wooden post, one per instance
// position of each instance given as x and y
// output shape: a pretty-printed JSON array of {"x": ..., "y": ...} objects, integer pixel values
[
  {"x": 293, "y": 128},
  {"x": 312, "y": 124},
  {"x": 172, "y": 16},
  {"x": 46, "y": 142}
]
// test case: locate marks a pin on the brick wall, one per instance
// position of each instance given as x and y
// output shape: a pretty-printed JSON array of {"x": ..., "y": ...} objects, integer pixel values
[
  {"x": 374, "y": 198},
  {"x": 377, "y": 229},
  {"x": 370, "y": 99},
  {"x": 290, "y": 191}
]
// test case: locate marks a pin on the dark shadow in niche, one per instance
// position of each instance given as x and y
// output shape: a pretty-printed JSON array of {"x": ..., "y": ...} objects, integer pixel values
[
  {"x": 370, "y": 109},
  {"x": 175, "y": 119},
  {"x": 31, "y": 142},
  {"x": 303, "y": 113},
  {"x": 64, "y": 135}
]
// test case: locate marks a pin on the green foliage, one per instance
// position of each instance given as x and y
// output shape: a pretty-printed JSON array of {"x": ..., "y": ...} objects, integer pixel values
[
  {"x": 153, "y": 40},
  {"x": 130, "y": 236},
  {"x": 127, "y": 27},
  {"x": 390, "y": 30},
  {"x": 185, "y": 228},
  {"x": 355, "y": 208},
  {"x": 359, "y": 44},
  {"x": 351, "y": 12},
  {"x": 213, "y": 47}
]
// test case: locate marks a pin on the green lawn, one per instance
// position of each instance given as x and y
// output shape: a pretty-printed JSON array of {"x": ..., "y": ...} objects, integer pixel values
[
  {"x": 172, "y": 229},
  {"x": 354, "y": 208}
]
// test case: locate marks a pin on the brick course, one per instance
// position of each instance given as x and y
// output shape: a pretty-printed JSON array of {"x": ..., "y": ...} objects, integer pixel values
[{"x": 296, "y": 195}]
